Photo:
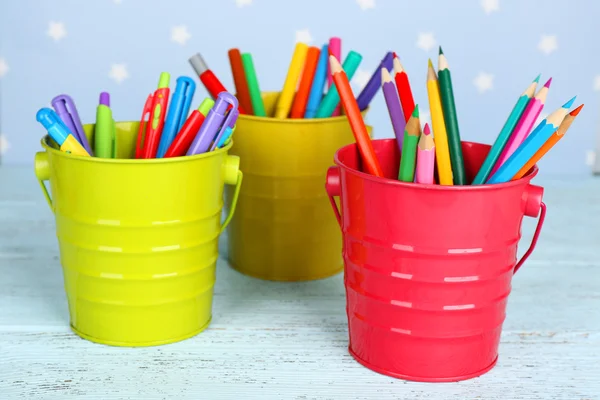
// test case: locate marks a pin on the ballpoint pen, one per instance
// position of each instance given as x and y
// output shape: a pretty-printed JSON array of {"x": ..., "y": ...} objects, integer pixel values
[
  {"x": 154, "y": 109},
  {"x": 211, "y": 124},
  {"x": 59, "y": 132},
  {"x": 177, "y": 114},
  {"x": 65, "y": 108},
  {"x": 190, "y": 128},
  {"x": 104, "y": 130}
]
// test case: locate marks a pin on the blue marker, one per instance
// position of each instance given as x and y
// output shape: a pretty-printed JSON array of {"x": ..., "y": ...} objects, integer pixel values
[
  {"x": 318, "y": 85},
  {"x": 178, "y": 113},
  {"x": 59, "y": 132}
]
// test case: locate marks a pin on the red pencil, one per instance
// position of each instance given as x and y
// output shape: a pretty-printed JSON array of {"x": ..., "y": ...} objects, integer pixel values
[
  {"x": 404, "y": 91},
  {"x": 365, "y": 147}
]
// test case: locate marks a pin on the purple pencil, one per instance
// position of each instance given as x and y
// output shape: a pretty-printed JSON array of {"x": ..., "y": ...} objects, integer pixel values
[
  {"x": 369, "y": 91},
  {"x": 394, "y": 107}
]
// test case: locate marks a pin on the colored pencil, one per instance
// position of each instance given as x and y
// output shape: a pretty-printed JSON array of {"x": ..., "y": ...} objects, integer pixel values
[
  {"x": 365, "y": 147},
  {"x": 409, "y": 150},
  {"x": 239, "y": 80},
  {"x": 451, "y": 120},
  {"x": 508, "y": 128},
  {"x": 404, "y": 91},
  {"x": 310, "y": 67},
  {"x": 332, "y": 98},
  {"x": 393, "y": 105},
  {"x": 556, "y": 136},
  {"x": 530, "y": 115},
  {"x": 425, "y": 157},
  {"x": 258, "y": 106},
  {"x": 335, "y": 47},
  {"x": 318, "y": 83},
  {"x": 286, "y": 97},
  {"x": 540, "y": 135},
  {"x": 438, "y": 125},
  {"x": 371, "y": 88}
]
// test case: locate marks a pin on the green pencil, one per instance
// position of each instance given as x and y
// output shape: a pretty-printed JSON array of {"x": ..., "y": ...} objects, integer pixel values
[
  {"x": 505, "y": 133},
  {"x": 451, "y": 120},
  {"x": 409, "y": 147},
  {"x": 255, "y": 96}
]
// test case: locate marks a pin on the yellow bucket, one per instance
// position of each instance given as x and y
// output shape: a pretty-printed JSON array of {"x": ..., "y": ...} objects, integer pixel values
[
  {"x": 138, "y": 239},
  {"x": 283, "y": 228}
]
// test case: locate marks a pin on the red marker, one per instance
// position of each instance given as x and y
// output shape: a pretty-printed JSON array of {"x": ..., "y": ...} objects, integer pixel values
[
  {"x": 151, "y": 128},
  {"x": 208, "y": 78},
  {"x": 189, "y": 130}
]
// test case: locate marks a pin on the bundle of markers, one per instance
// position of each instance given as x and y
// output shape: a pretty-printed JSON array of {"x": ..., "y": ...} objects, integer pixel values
[
  {"x": 166, "y": 130},
  {"x": 303, "y": 94},
  {"x": 517, "y": 149}
]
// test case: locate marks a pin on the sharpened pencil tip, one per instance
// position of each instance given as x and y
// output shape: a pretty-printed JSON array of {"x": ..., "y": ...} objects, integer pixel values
[
  {"x": 385, "y": 75},
  {"x": 429, "y": 63},
  {"x": 547, "y": 84},
  {"x": 537, "y": 79},
  {"x": 415, "y": 112},
  {"x": 569, "y": 103},
  {"x": 441, "y": 52},
  {"x": 576, "y": 111},
  {"x": 395, "y": 55},
  {"x": 426, "y": 130}
]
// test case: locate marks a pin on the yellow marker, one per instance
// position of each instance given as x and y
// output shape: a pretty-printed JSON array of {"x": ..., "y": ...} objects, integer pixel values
[
  {"x": 291, "y": 81},
  {"x": 442, "y": 153}
]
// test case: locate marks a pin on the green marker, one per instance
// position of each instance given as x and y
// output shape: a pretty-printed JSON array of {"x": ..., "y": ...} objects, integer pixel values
[
  {"x": 332, "y": 98},
  {"x": 105, "y": 144},
  {"x": 408, "y": 159},
  {"x": 255, "y": 96}
]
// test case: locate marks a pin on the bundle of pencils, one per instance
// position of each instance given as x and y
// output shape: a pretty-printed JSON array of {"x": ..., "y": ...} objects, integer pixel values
[
  {"x": 308, "y": 90},
  {"x": 517, "y": 149}
]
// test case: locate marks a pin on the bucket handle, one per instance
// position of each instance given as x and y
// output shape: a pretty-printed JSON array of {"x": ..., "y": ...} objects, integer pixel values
[
  {"x": 42, "y": 172},
  {"x": 233, "y": 176},
  {"x": 534, "y": 240},
  {"x": 332, "y": 186}
]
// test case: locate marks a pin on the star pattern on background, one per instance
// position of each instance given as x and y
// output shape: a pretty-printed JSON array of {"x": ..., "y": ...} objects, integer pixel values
[
  {"x": 548, "y": 44},
  {"x": 360, "y": 78},
  {"x": 596, "y": 82},
  {"x": 56, "y": 30},
  {"x": 3, "y": 67},
  {"x": 303, "y": 36},
  {"x": 365, "y": 4},
  {"x": 426, "y": 41},
  {"x": 180, "y": 34},
  {"x": 242, "y": 3},
  {"x": 4, "y": 145},
  {"x": 590, "y": 158},
  {"x": 489, "y": 6},
  {"x": 484, "y": 82},
  {"x": 118, "y": 72}
]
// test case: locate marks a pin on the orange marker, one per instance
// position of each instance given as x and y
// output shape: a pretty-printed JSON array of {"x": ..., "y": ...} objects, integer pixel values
[
  {"x": 310, "y": 66},
  {"x": 365, "y": 147}
]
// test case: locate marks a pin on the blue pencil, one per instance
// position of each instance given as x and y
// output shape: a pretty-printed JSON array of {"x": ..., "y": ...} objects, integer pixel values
[
  {"x": 177, "y": 114},
  {"x": 531, "y": 145},
  {"x": 318, "y": 84}
]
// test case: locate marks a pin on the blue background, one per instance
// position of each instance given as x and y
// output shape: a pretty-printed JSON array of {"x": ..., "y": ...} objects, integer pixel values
[{"x": 138, "y": 33}]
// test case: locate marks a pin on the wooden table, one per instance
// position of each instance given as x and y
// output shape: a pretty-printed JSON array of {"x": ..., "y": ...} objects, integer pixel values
[{"x": 272, "y": 340}]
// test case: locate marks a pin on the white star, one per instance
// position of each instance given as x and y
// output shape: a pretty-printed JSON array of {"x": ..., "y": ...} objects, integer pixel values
[
  {"x": 489, "y": 6},
  {"x": 484, "y": 82},
  {"x": 303, "y": 36},
  {"x": 3, "y": 67},
  {"x": 56, "y": 30},
  {"x": 118, "y": 72},
  {"x": 596, "y": 81},
  {"x": 360, "y": 78},
  {"x": 590, "y": 158},
  {"x": 548, "y": 44},
  {"x": 4, "y": 145},
  {"x": 365, "y": 4},
  {"x": 426, "y": 41},
  {"x": 180, "y": 34},
  {"x": 242, "y": 3}
]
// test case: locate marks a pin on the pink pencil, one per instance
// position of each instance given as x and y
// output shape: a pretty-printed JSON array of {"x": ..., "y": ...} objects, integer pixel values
[
  {"x": 335, "y": 48},
  {"x": 425, "y": 157},
  {"x": 523, "y": 128}
]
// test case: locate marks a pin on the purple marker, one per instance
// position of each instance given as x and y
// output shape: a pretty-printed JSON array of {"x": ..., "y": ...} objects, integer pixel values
[
  {"x": 65, "y": 108},
  {"x": 394, "y": 107},
  {"x": 229, "y": 123},
  {"x": 369, "y": 91},
  {"x": 211, "y": 124}
]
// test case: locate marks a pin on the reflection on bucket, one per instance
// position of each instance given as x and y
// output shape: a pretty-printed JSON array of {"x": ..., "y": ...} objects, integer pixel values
[
  {"x": 138, "y": 238},
  {"x": 428, "y": 268},
  {"x": 283, "y": 228}
]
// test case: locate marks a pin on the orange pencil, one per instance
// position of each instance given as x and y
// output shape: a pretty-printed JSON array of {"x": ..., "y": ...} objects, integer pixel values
[
  {"x": 365, "y": 147},
  {"x": 239, "y": 79},
  {"x": 556, "y": 136},
  {"x": 310, "y": 66}
]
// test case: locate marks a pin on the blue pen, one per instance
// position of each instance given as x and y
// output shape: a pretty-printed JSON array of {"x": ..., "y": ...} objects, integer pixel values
[
  {"x": 178, "y": 113},
  {"x": 212, "y": 123},
  {"x": 318, "y": 85},
  {"x": 65, "y": 108}
]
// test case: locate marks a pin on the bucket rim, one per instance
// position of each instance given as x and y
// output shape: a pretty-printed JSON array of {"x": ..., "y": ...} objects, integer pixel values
[{"x": 423, "y": 186}]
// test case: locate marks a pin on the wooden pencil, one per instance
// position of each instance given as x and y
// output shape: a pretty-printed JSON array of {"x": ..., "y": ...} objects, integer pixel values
[
  {"x": 404, "y": 92},
  {"x": 425, "y": 157},
  {"x": 409, "y": 147}
]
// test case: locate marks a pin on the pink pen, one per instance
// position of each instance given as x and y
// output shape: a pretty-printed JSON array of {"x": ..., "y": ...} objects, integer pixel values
[
  {"x": 335, "y": 48},
  {"x": 524, "y": 126},
  {"x": 425, "y": 157}
]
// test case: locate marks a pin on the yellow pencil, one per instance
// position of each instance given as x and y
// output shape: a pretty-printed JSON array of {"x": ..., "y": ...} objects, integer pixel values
[
  {"x": 291, "y": 81},
  {"x": 442, "y": 153}
]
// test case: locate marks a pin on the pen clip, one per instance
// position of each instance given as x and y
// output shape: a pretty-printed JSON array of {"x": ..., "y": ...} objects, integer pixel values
[
  {"x": 229, "y": 120},
  {"x": 143, "y": 124},
  {"x": 63, "y": 105},
  {"x": 189, "y": 87}
]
